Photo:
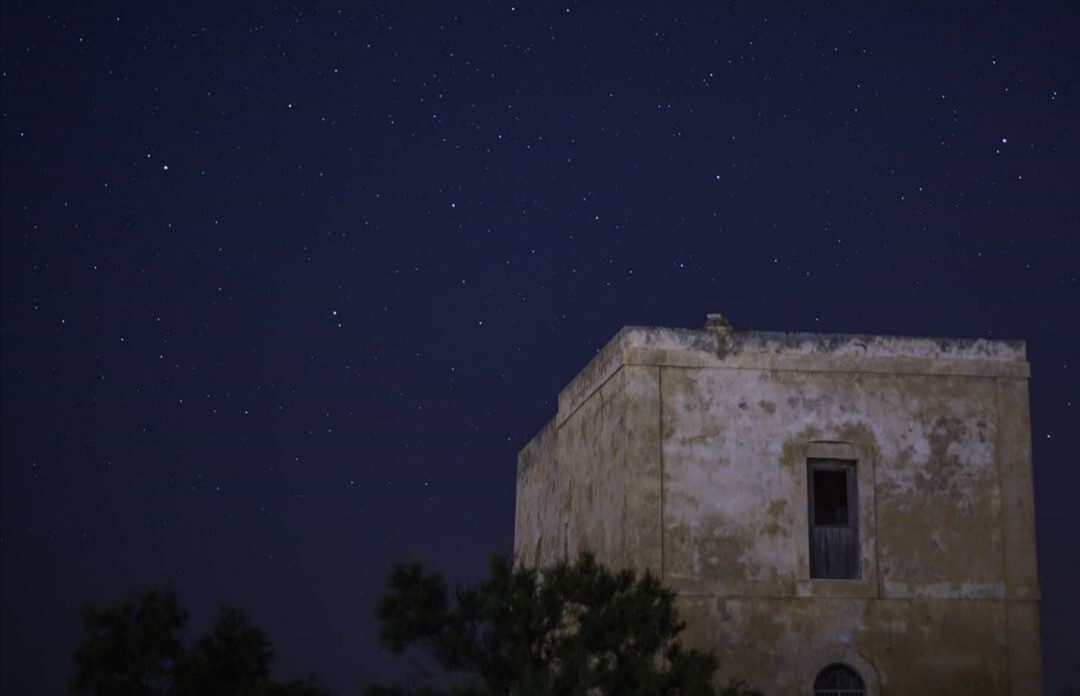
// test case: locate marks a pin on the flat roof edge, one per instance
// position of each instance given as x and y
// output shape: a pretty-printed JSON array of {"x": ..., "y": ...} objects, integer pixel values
[{"x": 978, "y": 357}]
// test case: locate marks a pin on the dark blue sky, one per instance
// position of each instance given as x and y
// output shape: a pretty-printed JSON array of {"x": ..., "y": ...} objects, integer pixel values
[{"x": 285, "y": 288}]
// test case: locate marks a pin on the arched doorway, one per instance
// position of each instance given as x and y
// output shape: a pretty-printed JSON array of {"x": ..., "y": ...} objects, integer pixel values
[{"x": 839, "y": 680}]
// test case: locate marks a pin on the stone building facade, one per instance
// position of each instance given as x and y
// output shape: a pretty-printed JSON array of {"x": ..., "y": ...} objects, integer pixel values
[{"x": 833, "y": 511}]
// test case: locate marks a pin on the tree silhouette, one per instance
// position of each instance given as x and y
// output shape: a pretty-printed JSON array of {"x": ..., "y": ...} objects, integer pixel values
[
  {"x": 131, "y": 649},
  {"x": 233, "y": 658},
  {"x": 571, "y": 629},
  {"x": 134, "y": 649}
]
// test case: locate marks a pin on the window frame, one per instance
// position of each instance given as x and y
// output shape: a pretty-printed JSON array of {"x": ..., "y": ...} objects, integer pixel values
[{"x": 851, "y": 473}]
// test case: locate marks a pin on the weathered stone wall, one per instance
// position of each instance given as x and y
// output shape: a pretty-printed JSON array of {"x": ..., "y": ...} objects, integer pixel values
[
  {"x": 946, "y": 648},
  {"x": 735, "y": 449},
  {"x": 539, "y": 513},
  {"x": 685, "y": 452},
  {"x": 592, "y": 445},
  {"x": 572, "y": 480}
]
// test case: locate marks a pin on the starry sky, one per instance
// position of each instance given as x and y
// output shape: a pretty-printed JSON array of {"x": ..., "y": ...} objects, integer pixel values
[{"x": 286, "y": 287}]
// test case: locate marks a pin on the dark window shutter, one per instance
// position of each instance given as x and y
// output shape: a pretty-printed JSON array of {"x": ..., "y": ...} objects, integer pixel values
[{"x": 833, "y": 519}]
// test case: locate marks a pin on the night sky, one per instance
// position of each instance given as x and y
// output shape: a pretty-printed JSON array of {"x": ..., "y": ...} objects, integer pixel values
[{"x": 286, "y": 288}]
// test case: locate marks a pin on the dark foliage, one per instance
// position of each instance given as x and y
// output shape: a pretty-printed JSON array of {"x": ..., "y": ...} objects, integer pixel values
[
  {"x": 131, "y": 649},
  {"x": 572, "y": 629},
  {"x": 134, "y": 649},
  {"x": 234, "y": 658}
]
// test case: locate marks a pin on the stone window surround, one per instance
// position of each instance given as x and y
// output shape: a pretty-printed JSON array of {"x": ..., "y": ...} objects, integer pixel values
[{"x": 867, "y": 585}]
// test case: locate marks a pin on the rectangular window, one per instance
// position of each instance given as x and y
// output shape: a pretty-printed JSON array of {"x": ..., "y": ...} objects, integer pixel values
[{"x": 834, "y": 518}]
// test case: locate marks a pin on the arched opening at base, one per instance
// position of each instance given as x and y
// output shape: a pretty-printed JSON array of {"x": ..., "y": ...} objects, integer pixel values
[{"x": 839, "y": 680}]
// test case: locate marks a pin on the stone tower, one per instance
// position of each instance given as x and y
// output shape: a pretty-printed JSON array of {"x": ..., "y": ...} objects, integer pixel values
[{"x": 834, "y": 511}]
